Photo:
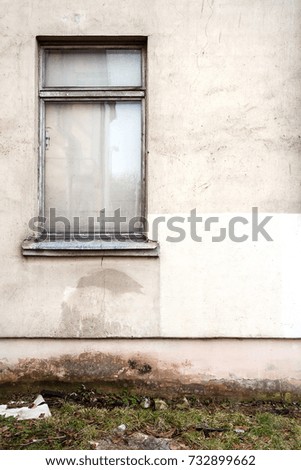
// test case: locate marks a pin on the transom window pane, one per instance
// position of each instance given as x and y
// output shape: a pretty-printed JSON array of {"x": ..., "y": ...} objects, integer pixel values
[
  {"x": 98, "y": 68},
  {"x": 93, "y": 161}
]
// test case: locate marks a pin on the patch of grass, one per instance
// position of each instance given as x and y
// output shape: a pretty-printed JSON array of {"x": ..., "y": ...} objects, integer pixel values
[{"x": 76, "y": 425}]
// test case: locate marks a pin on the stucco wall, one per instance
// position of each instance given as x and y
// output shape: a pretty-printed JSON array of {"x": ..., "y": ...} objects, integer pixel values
[
  {"x": 223, "y": 368},
  {"x": 223, "y": 136}
]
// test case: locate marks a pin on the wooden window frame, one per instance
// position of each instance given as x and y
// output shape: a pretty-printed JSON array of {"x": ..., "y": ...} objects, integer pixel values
[{"x": 142, "y": 247}]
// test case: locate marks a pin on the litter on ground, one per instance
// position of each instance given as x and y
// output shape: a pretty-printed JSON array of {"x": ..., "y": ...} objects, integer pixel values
[{"x": 37, "y": 410}]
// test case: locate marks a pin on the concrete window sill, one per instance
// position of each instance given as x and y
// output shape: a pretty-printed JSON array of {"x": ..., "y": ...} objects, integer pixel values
[{"x": 95, "y": 247}]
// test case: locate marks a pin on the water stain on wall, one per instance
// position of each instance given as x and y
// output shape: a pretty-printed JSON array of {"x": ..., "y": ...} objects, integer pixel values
[
  {"x": 86, "y": 309},
  {"x": 116, "y": 281},
  {"x": 141, "y": 373}
]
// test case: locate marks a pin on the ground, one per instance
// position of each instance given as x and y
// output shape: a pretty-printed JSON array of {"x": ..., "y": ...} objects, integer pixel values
[{"x": 89, "y": 419}]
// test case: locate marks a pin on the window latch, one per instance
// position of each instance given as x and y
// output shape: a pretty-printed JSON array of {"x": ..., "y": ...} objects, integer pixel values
[{"x": 47, "y": 139}]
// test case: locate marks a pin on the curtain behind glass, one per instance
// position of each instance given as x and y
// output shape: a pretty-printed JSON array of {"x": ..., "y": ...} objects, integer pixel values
[
  {"x": 101, "y": 68},
  {"x": 93, "y": 162}
]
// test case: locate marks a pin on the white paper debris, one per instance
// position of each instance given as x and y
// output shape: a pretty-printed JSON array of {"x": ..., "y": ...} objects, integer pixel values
[
  {"x": 39, "y": 409},
  {"x": 121, "y": 428},
  {"x": 239, "y": 430}
]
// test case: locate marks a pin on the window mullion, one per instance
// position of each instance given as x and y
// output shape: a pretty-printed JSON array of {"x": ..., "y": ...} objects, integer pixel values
[{"x": 90, "y": 95}]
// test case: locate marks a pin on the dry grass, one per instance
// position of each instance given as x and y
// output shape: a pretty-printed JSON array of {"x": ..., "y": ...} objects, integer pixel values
[{"x": 82, "y": 418}]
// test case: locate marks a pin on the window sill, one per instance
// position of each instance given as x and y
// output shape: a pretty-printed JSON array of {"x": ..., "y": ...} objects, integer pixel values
[{"x": 34, "y": 247}]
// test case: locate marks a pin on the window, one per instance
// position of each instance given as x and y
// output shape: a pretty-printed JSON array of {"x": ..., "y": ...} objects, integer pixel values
[{"x": 92, "y": 146}]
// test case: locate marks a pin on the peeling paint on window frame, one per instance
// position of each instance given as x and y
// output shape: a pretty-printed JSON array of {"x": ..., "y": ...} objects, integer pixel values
[{"x": 142, "y": 247}]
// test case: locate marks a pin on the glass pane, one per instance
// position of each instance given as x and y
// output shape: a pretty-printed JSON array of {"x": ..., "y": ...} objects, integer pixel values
[
  {"x": 98, "y": 68},
  {"x": 92, "y": 162}
]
